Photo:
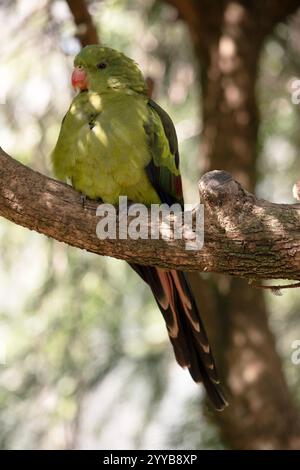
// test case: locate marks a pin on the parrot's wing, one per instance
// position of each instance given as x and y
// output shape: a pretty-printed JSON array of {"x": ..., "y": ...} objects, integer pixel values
[
  {"x": 171, "y": 289},
  {"x": 163, "y": 169}
]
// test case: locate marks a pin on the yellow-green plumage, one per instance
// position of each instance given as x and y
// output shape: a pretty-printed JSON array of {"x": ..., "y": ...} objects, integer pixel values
[
  {"x": 116, "y": 141},
  {"x": 103, "y": 147}
]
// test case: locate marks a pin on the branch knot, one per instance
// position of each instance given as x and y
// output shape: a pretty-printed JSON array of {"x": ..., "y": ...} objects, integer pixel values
[{"x": 218, "y": 187}]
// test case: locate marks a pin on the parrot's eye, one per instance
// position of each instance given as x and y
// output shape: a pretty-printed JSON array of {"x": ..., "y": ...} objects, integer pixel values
[{"x": 101, "y": 65}]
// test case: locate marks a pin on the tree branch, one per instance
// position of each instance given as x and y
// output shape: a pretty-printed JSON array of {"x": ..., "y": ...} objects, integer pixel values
[
  {"x": 86, "y": 30},
  {"x": 244, "y": 236}
]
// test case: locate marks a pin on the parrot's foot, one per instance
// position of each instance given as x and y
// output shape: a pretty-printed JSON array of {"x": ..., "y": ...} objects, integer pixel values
[{"x": 83, "y": 200}]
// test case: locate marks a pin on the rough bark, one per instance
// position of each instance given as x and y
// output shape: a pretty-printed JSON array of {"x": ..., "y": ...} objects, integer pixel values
[
  {"x": 228, "y": 37},
  {"x": 244, "y": 236}
]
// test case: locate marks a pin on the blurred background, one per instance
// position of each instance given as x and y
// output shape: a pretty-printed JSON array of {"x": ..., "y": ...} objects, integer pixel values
[{"x": 85, "y": 361}]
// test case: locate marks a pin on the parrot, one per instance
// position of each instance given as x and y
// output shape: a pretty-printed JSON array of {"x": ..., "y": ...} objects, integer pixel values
[{"x": 116, "y": 141}]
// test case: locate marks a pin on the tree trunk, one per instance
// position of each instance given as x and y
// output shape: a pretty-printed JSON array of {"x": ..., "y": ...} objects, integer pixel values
[{"x": 228, "y": 37}]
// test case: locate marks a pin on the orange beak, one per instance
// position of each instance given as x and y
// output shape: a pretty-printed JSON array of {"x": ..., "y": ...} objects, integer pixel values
[{"x": 79, "y": 79}]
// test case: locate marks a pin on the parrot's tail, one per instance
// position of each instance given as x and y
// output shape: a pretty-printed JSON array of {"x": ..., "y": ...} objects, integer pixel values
[{"x": 185, "y": 328}]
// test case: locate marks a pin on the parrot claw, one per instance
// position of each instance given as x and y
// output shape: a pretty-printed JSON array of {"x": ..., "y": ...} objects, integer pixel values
[{"x": 83, "y": 200}]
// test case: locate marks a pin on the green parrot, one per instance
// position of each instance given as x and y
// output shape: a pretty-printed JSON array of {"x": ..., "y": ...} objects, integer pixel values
[{"x": 116, "y": 141}]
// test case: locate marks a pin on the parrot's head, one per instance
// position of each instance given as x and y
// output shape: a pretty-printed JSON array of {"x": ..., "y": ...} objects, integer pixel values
[{"x": 101, "y": 69}]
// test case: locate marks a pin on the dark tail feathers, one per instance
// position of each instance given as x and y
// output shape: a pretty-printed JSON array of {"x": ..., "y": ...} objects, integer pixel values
[{"x": 186, "y": 331}]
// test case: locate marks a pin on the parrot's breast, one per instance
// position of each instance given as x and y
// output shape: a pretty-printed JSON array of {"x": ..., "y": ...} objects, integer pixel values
[{"x": 103, "y": 149}]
